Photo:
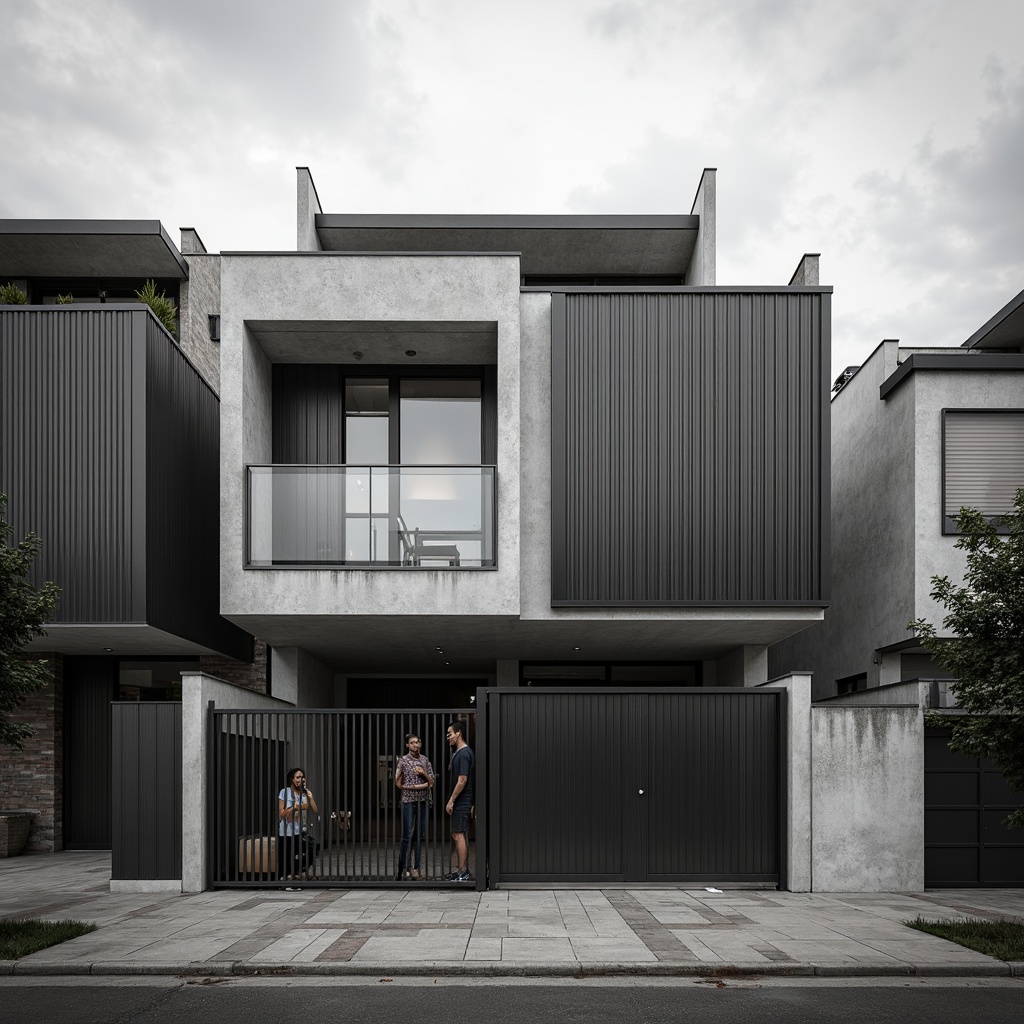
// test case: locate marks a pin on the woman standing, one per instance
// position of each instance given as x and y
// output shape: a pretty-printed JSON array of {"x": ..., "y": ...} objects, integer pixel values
[{"x": 294, "y": 803}]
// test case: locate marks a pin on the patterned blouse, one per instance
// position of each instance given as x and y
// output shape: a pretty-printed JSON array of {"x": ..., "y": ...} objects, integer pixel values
[{"x": 407, "y": 767}]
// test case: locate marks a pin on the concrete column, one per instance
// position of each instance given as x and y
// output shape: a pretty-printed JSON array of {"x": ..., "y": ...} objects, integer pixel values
[
  {"x": 806, "y": 273},
  {"x": 797, "y": 841},
  {"x": 307, "y": 207},
  {"x": 507, "y": 674},
  {"x": 742, "y": 666},
  {"x": 301, "y": 679},
  {"x": 197, "y": 690},
  {"x": 702, "y": 264}
]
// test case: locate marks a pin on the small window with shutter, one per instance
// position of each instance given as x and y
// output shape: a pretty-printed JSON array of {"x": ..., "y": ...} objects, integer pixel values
[{"x": 983, "y": 462}]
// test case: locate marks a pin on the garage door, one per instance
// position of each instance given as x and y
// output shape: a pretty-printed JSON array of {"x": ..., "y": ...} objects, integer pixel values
[
  {"x": 658, "y": 786},
  {"x": 966, "y": 800}
]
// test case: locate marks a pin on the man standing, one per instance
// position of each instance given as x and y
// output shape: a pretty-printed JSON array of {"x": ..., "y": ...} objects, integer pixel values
[
  {"x": 461, "y": 799},
  {"x": 414, "y": 777}
]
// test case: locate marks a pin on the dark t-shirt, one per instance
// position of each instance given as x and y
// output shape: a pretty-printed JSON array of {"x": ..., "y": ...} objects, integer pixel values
[{"x": 462, "y": 764}]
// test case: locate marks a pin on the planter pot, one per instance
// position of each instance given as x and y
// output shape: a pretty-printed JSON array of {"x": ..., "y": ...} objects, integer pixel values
[{"x": 14, "y": 828}]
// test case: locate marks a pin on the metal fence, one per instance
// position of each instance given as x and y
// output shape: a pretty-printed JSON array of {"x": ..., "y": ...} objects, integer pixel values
[{"x": 354, "y": 836}]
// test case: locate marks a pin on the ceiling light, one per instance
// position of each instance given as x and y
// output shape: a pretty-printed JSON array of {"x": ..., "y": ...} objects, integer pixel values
[
  {"x": 108, "y": 649},
  {"x": 357, "y": 355},
  {"x": 410, "y": 351}
]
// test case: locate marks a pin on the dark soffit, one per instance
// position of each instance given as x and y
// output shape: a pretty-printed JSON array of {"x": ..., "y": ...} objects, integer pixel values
[
  {"x": 88, "y": 248},
  {"x": 572, "y": 245}
]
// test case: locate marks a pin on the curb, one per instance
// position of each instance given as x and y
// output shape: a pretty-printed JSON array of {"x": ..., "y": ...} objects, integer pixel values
[{"x": 509, "y": 969}]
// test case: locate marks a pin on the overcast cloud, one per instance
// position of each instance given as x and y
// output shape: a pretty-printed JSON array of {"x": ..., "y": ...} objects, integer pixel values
[{"x": 888, "y": 137}]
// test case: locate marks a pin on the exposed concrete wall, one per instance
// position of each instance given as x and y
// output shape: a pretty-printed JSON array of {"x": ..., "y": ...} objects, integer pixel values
[
  {"x": 913, "y": 692},
  {"x": 200, "y": 297},
  {"x": 745, "y": 666},
  {"x": 326, "y": 287},
  {"x": 702, "y": 269},
  {"x": 798, "y": 876},
  {"x": 307, "y": 207},
  {"x": 807, "y": 271},
  {"x": 872, "y": 533},
  {"x": 868, "y": 799},
  {"x": 197, "y": 690},
  {"x": 301, "y": 679}
]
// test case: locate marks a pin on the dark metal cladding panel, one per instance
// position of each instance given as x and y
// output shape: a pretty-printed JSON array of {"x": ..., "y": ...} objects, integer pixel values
[
  {"x": 183, "y": 500},
  {"x": 560, "y": 803},
  {"x": 309, "y": 414},
  {"x": 146, "y": 788},
  {"x": 66, "y": 420},
  {"x": 687, "y": 448},
  {"x": 90, "y": 684},
  {"x": 654, "y": 786}
]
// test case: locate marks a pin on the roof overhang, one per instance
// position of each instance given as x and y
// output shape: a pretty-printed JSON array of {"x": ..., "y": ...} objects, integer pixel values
[
  {"x": 568, "y": 245},
  {"x": 1004, "y": 330},
  {"x": 89, "y": 249}
]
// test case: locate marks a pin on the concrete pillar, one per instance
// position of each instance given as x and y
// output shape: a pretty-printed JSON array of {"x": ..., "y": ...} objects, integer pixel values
[
  {"x": 806, "y": 273},
  {"x": 702, "y": 264},
  {"x": 301, "y": 679},
  {"x": 307, "y": 207},
  {"x": 797, "y": 840},
  {"x": 507, "y": 674},
  {"x": 197, "y": 691}
]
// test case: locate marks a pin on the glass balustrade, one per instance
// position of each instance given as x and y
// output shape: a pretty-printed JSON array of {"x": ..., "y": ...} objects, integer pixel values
[{"x": 416, "y": 517}]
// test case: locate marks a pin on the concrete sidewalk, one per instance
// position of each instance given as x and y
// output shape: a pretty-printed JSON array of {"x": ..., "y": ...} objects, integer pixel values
[{"x": 553, "y": 932}]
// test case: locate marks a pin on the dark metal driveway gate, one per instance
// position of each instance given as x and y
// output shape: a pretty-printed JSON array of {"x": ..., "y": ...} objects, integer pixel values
[
  {"x": 659, "y": 786},
  {"x": 349, "y": 759}
]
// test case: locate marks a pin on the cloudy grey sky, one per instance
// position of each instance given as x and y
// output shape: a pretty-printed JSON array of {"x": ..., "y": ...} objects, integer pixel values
[{"x": 889, "y": 135}]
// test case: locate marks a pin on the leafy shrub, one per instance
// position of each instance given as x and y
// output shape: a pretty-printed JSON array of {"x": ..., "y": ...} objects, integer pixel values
[
  {"x": 163, "y": 308},
  {"x": 65, "y": 300},
  {"x": 12, "y": 295}
]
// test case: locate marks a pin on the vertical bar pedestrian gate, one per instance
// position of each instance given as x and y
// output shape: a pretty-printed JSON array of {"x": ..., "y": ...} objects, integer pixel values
[{"x": 355, "y": 835}]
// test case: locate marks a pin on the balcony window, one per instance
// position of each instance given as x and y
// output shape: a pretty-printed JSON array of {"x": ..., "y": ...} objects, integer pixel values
[
  {"x": 413, "y": 517},
  {"x": 983, "y": 462}
]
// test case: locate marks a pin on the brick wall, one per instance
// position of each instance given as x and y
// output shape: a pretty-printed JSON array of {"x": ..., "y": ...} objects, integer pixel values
[
  {"x": 32, "y": 779},
  {"x": 241, "y": 673}
]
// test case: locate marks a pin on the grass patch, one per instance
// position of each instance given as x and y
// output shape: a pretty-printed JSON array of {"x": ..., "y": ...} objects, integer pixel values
[
  {"x": 29, "y": 935},
  {"x": 1002, "y": 939}
]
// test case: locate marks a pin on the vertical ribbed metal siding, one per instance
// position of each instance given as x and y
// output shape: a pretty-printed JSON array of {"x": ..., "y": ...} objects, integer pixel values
[
  {"x": 309, "y": 414},
  {"x": 560, "y": 791},
  {"x": 570, "y": 766},
  {"x": 146, "y": 788},
  {"x": 90, "y": 684},
  {"x": 687, "y": 448},
  {"x": 183, "y": 500},
  {"x": 66, "y": 458}
]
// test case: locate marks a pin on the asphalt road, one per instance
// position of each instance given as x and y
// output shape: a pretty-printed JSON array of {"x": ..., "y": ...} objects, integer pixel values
[{"x": 182, "y": 1001}]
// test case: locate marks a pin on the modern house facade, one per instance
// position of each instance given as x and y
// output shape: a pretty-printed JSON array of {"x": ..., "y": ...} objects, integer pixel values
[
  {"x": 541, "y": 472},
  {"x": 916, "y": 435}
]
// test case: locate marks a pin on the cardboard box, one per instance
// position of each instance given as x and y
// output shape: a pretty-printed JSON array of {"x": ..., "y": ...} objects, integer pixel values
[{"x": 257, "y": 855}]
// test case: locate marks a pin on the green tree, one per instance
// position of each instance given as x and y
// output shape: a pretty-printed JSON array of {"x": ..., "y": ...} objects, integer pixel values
[
  {"x": 983, "y": 643},
  {"x": 24, "y": 609}
]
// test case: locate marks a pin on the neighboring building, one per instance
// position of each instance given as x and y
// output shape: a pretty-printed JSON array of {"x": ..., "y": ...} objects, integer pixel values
[
  {"x": 916, "y": 435},
  {"x": 109, "y": 441}
]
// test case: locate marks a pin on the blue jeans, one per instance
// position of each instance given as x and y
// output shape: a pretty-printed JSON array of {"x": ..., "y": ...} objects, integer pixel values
[{"x": 414, "y": 819}]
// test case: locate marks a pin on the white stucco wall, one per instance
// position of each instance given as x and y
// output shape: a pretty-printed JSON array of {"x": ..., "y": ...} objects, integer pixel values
[
  {"x": 868, "y": 799},
  {"x": 331, "y": 287},
  {"x": 872, "y": 533}
]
